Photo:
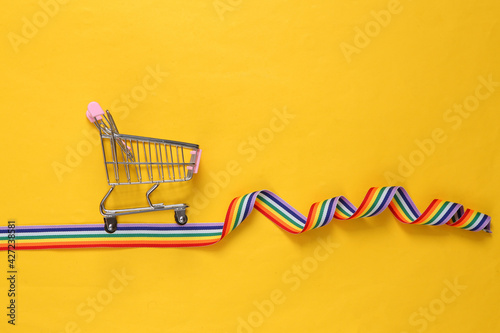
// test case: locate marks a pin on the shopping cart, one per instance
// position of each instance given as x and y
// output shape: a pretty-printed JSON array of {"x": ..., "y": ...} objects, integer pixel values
[{"x": 130, "y": 159}]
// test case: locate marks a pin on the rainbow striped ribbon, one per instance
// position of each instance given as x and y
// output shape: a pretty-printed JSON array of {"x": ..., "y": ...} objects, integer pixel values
[{"x": 269, "y": 204}]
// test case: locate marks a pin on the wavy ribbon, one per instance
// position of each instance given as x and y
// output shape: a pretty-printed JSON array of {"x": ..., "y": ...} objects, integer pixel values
[{"x": 269, "y": 204}]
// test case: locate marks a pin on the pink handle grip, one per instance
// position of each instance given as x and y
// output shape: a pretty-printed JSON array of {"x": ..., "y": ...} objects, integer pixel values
[{"x": 94, "y": 112}]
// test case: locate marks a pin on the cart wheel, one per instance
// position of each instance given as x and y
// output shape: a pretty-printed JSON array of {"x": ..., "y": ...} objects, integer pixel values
[
  {"x": 110, "y": 224},
  {"x": 180, "y": 217}
]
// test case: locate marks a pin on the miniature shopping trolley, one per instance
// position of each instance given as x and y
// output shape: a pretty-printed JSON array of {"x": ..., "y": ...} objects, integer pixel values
[{"x": 130, "y": 159}]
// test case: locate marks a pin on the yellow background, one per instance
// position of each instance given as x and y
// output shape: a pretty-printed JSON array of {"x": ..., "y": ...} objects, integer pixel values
[{"x": 231, "y": 65}]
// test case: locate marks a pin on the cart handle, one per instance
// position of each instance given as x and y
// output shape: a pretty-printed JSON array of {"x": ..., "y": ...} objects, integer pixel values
[{"x": 94, "y": 112}]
